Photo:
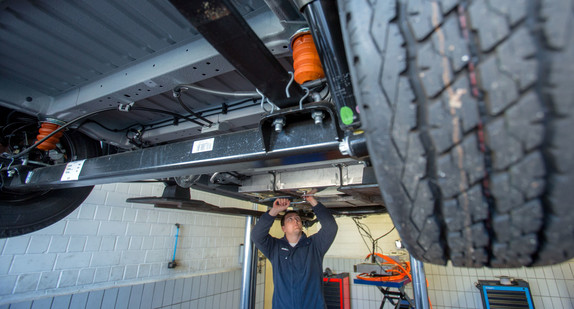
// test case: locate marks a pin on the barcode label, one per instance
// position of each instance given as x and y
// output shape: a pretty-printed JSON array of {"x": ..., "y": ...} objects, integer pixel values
[
  {"x": 72, "y": 171},
  {"x": 202, "y": 145}
]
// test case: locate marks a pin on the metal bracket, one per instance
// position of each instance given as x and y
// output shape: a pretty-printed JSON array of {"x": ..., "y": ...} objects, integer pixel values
[
  {"x": 125, "y": 107},
  {"x": 294, "y": 118}
]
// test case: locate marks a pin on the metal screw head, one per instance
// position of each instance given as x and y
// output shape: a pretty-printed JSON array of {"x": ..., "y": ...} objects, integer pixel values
[
  {"x": 318, "y": 116},
  {"x": 278, "y": 123}
]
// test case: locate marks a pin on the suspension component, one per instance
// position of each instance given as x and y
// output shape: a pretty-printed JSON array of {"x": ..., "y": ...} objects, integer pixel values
[
  {"x": 306, "y": 61},
  {"x": 48, "y": 127}
]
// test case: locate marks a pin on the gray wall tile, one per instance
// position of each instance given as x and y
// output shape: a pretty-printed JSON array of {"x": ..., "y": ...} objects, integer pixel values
[
  {"x": 79, "y": 301},
  {"x": 178, "y": 291},
  {"x": 194, "y": 304},
  {"x": 136, "y": 296},
  {"x": 42, "y": 303},
  {"x": 196, "y": 287},
  {"x": 62, "y": 301},
  {"x": 168, "y": 292},
  {"x": 95, "y": 299},
  {"x": 159, "y": 288},
  {"x": 22, "y": 305},
  {"x": 123, "y": 299},
  {"x": 147, "y": 296},
  {"x": 187, "y": 286},
  {"x": 203, "y": 284},
  {"x": 211, "y": 284},
  {"x": 202, "y": 303},
  {"x": 110, "y": 297}
]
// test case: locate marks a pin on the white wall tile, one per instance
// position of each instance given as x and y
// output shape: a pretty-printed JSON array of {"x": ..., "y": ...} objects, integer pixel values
[
  {"x": 16, "y": 245},
  {"x": 207, "y": 243},
  {"x": 87, "y": 211},
  {"x": 72, "y": 260},
  {"x": 144, "y": 270},
  {"x": 567, "y": 302},
  {"x": 129, "y": 213},
  {"x": 86, "y": 276},
  {"x": 38, "y": 244},
  {"x": 131, "y": 272},
  {"x": 117, "y": 273},
  {"x": 105, "y": 258},
  {"x": 48, "y": 280},
  {"x": 112, "y": 228},
  {"x": 102, "y": 274},
  {"x": 108, "y": 243},
  {"x": 27, "y": 282},
  {"x": 567, "y": 271},
  {"x": 68, "y": 278},
  {"x": 32, "y": 263}
]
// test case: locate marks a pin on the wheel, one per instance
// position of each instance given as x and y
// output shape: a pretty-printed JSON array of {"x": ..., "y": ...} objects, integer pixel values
[
  {"x": 470, "y": 105},
  {"x": 22, "y": 213}
]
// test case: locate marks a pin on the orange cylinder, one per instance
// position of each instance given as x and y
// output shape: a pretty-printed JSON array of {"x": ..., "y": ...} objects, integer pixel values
[
  {"x": 306, "y": 60},
  {"x": 46, "y": 129}
]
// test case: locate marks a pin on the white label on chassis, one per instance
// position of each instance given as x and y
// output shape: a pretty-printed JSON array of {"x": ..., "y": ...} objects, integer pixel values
[
  {"x": 72, "y": 170},
  {"x": 202, "y": 145}
]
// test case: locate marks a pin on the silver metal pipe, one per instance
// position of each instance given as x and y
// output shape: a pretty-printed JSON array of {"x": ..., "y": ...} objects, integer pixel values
[
  {"x": 419, "y": 284},
  {"x": 237, "y": 94},
  {"x": 248, "y": 281}
]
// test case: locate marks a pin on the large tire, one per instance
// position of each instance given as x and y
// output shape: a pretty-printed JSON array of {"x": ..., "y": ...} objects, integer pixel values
[
  {"x": 22, "y": 213},
  {"x": 470, "y": 106}
]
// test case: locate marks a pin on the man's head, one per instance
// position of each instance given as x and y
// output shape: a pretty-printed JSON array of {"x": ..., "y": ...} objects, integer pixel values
[
  {"x": 291, "y": 222},
  {"x": 287, "y": 214}
]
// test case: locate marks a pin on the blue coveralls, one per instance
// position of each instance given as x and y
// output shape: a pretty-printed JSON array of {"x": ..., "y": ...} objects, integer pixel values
[{"x": 297, "y": 271}]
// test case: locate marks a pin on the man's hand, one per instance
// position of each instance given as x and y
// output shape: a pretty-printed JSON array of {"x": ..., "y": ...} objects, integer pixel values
[
  {"x": 310, "y": 198},
  {"x": 280, "y": 204}
]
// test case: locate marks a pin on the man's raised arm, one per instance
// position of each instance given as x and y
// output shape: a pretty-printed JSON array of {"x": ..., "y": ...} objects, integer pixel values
[{"x": 260, "y": 233}]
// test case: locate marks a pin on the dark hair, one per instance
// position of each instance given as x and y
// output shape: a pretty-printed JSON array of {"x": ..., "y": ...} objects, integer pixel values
[{"x": 285, "y": 215}]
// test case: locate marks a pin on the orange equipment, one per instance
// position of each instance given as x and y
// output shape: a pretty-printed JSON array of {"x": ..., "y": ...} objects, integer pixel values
[
  {"x": 306, "y": 61},
  {"x": 50, "y": 143},
  {"x": 398, "y": 273}
]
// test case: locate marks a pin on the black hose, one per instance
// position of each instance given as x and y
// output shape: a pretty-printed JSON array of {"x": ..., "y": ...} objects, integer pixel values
[
  {"x": 192, "y": 112},
  {"x": 153, "y": 110},
  {"x": 27, "y": 150}
]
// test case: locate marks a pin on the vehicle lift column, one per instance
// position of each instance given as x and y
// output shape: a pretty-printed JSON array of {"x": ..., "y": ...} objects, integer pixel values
[
  {"x": 249, "y": 271},
  {"x": 419, "y": 284}
]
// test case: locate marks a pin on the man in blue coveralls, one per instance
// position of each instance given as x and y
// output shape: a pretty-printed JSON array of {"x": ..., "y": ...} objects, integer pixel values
[{"x": 297, "y": 260}]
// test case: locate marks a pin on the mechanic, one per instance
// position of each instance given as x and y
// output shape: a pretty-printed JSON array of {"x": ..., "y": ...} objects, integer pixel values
[{"x": 297, "y": 260}]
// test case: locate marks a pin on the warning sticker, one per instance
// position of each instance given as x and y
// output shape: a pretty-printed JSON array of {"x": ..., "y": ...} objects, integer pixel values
[
  {"x": 72, "y": 170},
  {"x": 202, "y": 145}
]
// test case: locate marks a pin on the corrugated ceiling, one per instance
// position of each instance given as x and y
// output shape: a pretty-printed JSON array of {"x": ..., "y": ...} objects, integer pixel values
[{"x": 53, "y": 46}]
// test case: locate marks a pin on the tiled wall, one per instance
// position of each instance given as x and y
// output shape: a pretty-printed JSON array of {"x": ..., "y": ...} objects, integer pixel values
[
  {"x": 453, "y": 287},
  {"x": 219, "y": 290},
  {"x": 107, "y": 243},
  {"x": 449, "y": 287}
]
